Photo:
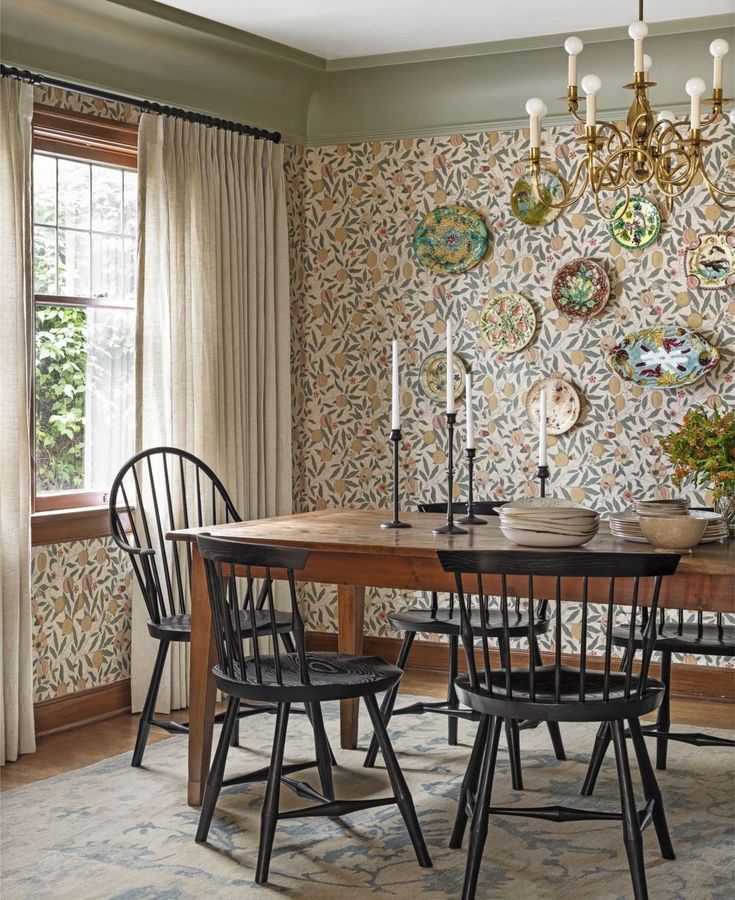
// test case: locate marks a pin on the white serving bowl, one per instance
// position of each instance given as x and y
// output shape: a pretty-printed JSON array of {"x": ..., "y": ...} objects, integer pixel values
[{"x": 544, "y": 538}]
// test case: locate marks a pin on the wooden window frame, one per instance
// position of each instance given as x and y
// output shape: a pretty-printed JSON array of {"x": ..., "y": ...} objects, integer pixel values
[{"x": 78, "y": 514}]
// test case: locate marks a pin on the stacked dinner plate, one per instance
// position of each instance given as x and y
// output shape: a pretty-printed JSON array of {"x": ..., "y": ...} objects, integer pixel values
[
  {"x": 626, "y": 526},
  {"x": 657, "y": 508},
  {"x": 548, "y": 522}
]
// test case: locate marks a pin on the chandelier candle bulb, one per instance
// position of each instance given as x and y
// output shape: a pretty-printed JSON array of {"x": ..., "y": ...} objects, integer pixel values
[
  {"x": 695, "y": 87},
  {"x": 591, "y": 84},
  {"x": 719, "y": 49},
  {"x": 470, "y": 415},
  {"x": 574, "y": 46},
  {"x": 450, "y": 371},
  {"x": 647, "y": 64},
  {"x": 542, "y": 430},
  {"x": 638, "y": 31},
  {"x": 395, "y": 423},
  {"x": 536, "y": 109}
]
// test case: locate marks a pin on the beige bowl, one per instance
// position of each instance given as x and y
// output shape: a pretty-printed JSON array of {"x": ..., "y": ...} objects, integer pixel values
[{"x": 676, "y": 533}]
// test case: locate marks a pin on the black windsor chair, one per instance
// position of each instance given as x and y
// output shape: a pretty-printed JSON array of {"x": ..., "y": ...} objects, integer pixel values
[
  {"x": 283, "y": 679},
  {"x": 446, "y": 621},
  {"x": 703, "y": 638},
  {"x": 557, "y": 692},
  {"x": 160, "y": 490}
]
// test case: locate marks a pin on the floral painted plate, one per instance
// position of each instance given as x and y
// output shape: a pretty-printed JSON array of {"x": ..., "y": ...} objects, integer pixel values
[
  {"x": 664, "y": 356},
  {"x": 434, "y": 376},
  {"x": 563, "y": 405},
  {"x": 451, "y": 239},
  {"x": 710, "y": 261},
  {"x": 507, "y": 322},
  {"x": 527, "y": 208},
  {"x": 581, "y": 288},
  {"x": 638, "y": 226}
]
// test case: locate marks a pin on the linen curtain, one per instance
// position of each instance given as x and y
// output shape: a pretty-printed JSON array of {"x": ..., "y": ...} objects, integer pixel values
[
  {"x": 16, "y": 325},
  {"x": 213, "y": 326}
]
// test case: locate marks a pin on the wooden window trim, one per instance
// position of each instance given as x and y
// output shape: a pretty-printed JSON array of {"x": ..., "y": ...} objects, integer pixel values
[{"x": 77, "y": 515}]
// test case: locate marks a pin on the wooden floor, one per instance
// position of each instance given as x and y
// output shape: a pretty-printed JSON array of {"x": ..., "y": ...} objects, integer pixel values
[{"x": 88, "y": 744}]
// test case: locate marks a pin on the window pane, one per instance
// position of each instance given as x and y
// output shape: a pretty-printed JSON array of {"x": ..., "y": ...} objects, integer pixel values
[
  {"x": 106, "y": 199},
  {"x": 44, "y": 260},
  {"x": 84, "y": 396},
  {"x": 130, "y": 207},
  {"x": 44, "y": 190},
  {"x": 73, "y": 194},
  {"x": 107, "y": 266},
  {"x": 73, "y": 263}
]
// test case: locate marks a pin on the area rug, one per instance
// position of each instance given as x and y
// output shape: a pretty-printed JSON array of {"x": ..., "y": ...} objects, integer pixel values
[{"x": 110, "y": 831}]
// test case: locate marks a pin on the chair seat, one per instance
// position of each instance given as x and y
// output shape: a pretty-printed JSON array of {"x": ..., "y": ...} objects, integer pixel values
[
  {"x": 332, "y": 676},
  {"x": 178, "y": 628},
  {"x": 569, "y": 708},
  {"x": 689, "y": 638},
  {"x": 446, "y": 621}
]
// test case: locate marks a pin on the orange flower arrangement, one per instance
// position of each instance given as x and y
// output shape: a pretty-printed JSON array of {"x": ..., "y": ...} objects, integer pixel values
[{"x": 703, "y": 449}]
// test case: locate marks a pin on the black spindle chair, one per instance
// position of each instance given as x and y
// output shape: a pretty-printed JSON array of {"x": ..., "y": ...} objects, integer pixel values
[
  {"x": 284, "y": 678},
  {"x": 559, "y": 692},
  {"x": 161, "y": 490},
  {"x": 445, "y": 620},
  {"x": 703, "y": 638}
]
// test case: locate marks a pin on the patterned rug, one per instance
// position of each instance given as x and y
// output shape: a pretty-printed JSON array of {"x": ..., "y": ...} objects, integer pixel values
[{"x": 109, "y": 831}]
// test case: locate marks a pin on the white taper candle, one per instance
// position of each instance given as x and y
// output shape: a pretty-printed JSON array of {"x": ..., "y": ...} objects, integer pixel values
[
  {"x": 470, "y": 414},
  {"x": 542, "y": 429},
  {"x": 450, "y": 370},
  {"x": 395, "y": 422}
]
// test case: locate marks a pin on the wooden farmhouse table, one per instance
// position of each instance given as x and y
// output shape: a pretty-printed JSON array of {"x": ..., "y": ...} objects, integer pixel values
[{"x": 350, "y": 550}]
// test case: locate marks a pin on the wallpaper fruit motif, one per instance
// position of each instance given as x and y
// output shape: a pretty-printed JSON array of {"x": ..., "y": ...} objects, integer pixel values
[{"x": 356, "y": 284}]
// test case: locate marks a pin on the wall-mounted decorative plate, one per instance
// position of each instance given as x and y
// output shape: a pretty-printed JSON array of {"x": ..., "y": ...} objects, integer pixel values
[
  {"x": 563, "y": 405},
  {"x": 526, "y": 206},
  {"x": 663, "y": 356},
  {"x": 638, "y": 226},
  {"x": 581, "y": 288},
  {"x": 451, "y": 239},
  {"x": 710, "y": 261},
  {"x": 434, "y": 376},
  {"x": 507, "y": 322}
]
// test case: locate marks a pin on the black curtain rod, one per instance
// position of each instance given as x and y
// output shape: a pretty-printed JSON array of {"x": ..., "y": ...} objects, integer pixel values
[{"x": 145, "y": 105}]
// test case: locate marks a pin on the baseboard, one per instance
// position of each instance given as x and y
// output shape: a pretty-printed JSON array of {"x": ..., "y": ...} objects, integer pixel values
[
  {"x": 82, "y": 707},
  {"x": 705, "y": 682}
]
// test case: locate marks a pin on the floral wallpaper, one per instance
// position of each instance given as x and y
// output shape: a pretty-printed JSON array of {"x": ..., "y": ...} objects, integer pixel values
[{"x": 356, "y": 284}]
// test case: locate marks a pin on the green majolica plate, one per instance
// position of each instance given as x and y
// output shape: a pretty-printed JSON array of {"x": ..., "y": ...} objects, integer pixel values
[
  {"x": 581, "y": 288},
  {"x": 451, "y": 239},
  {"x": 527, "y": 208},
  {"x": 434, "y": 375},
  {"x": 507, "y": 322},
  {"x": 638, "y": 226}
]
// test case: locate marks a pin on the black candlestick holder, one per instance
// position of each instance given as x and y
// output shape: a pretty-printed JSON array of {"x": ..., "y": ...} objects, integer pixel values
[
  {"x": 395, "y": 437},
  {"x": 471, "y": 518},
  {"x": 450, "y": 527},
  {"x": 542, "y": 473}
]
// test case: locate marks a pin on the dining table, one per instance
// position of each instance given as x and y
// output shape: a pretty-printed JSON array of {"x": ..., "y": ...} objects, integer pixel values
[{"x": 349, "y": 549}]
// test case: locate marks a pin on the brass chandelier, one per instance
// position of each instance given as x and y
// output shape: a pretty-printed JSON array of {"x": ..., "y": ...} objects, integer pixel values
[{"x": 648, "y": 148}]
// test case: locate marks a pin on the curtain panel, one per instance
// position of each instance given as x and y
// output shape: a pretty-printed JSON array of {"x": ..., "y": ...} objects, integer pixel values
[
  {"x": 16, "y": 326},
  {"x": 213, "y": 326}
]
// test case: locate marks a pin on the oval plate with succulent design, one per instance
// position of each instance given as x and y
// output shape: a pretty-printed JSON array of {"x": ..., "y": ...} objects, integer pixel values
[
  {"x": 581, "y": 288},
  {"x": 451, "y": 239},
  {"x": 563, "y": 405},
  {"x": 507, "y": 322},
  {"x": 434, "y": 376},
  {"x": 664, "y": 356},
  {"x": 638, "y": 226},
  {"x": 710, "y": 261},
  {"x": 525, "y": 205}
]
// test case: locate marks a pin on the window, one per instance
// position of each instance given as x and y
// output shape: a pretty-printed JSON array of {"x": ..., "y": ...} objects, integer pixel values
[{"x": 84, "y": 229}]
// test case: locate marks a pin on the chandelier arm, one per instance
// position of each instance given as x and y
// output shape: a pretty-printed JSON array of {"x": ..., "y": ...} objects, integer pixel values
[
  {"x": 713, "y": 188},
  {"x": 568, "y": 199},
  {"x": 603, "y": 214}
]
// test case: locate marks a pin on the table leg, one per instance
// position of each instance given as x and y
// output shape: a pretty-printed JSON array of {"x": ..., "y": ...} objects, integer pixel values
[
  {"x": 202, "y": 688},
  {"x": 351, "y": 615}
]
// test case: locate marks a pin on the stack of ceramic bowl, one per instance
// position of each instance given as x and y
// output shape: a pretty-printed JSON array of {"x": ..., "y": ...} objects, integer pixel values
[
  {"x": 657, "y": 508},
  {"x": 628, "y": 527},
  {"x": 548, "y": 522}
]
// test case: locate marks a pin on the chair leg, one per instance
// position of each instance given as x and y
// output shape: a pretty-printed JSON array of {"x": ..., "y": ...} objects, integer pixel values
[
  {"x": 663, "y": 720},
  {"x": 512, "y": 737},
  {"x": 631, "y": 824},
  {"x": 478, "y": 830},
  {"x": 322, "y": 749},
  {"x": 217, "y": 771},
  {"x": 452, "y": 699},
  {"x": 235, "y": 735},
  {"x": 469, "y": 782},
  {"x": 389, "y": 700},
  {"x": 554, "y": 730},
  {"x": 651, "y": 789},
  {"x": 149, "y": 707},
  {"x": 398, "y": 783},
  {"x": 269, "y": 815},
  {"x": 602, "y": 742}
]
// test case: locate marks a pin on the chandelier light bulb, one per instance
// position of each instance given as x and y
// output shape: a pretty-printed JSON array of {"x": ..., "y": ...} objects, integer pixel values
[
  {"x": 574, "y": 46},
  {"x": 647, "y": 63},
  {"x": 718, "y": 48},
  {"x": 638, "y": 30},
  {"x": 666, "y": 115},
  {"x": 544, "y": 112},
  {"x": 536, "y": 109},
  {"x": 535, "y": 106},
  {"x": 731, "y": 116},
  {"x": 591, "y": 85},
  {"x": 695, "y": 87}
]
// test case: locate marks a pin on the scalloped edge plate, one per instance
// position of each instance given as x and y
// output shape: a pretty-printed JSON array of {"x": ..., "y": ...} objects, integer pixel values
[
  {"x": 699, "y": 245},
  {"x": 460, "y": 369},
  {"x": 602, "y": 292},
  {"x": 564, "y": 423}
]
